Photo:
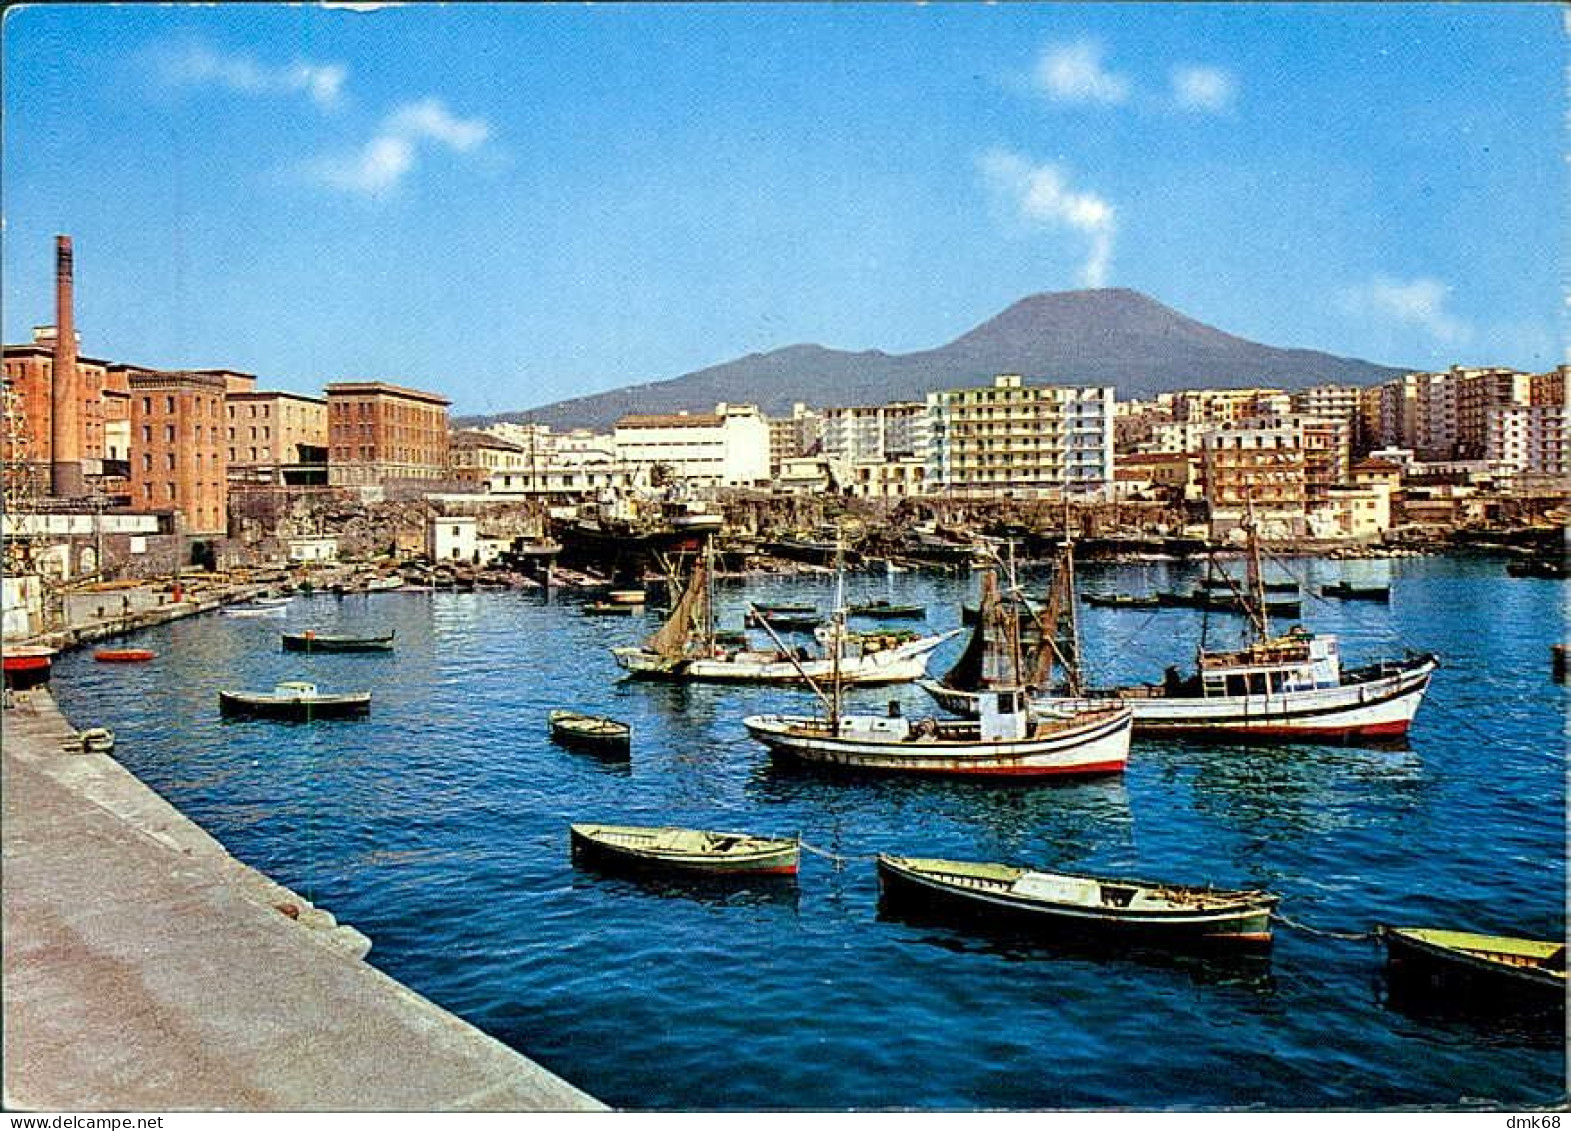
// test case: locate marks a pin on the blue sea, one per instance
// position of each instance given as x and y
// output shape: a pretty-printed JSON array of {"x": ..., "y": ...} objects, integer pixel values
[{"x": 438, "y": 827}]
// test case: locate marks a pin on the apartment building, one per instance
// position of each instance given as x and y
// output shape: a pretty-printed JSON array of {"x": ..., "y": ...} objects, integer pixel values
[
  {"x": 377, "y": 432},
  {"x": 276, "y": 438},
  {"x": 790, "y": 437},
  {"x": 726, "y": 448},
  {"x": 1255, "y": 470},
  {"x": 1011, "y": 438},
  {"x": 178, "y": 450}
]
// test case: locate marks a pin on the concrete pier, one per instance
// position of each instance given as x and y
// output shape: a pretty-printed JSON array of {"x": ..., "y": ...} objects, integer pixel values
[{"x": 146, "y": 969}]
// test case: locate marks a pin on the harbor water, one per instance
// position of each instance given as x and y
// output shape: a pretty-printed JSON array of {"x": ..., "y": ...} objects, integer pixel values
[{"x": 438, "y": 826}]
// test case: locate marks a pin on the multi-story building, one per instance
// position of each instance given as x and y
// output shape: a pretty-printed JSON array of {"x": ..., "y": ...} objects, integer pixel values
[
  {"x": 875, "y": 432},
  {"x": 1224, "y": 408},
  {"x": 1530, "y": 439},
  {"x": 726, "y": 448},
  {"x": 1259, "y": 471},
  {"x": 377, "y": 432},
  {"x": 1479, "y": 392},
  {"x": 29, "y": 372},
  {"x": 899, "y": 477},
  {"x": 177, "y": 447},
  {"x": 276, "y": 438},
  {"x": 799, "y": 434},
  {"x": 1011, "y": 438}
]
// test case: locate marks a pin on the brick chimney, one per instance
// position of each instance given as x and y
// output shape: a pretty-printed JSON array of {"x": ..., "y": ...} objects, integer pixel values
[{"x": 65, "y": 393}]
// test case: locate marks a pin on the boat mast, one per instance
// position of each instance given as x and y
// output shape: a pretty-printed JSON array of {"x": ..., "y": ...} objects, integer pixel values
[
  {"x": 709, "y": 594},
  {"x": 837, "y": 622},
  {"x": 1070, "y": 656},
  {"x": 1255, "y": 603}
]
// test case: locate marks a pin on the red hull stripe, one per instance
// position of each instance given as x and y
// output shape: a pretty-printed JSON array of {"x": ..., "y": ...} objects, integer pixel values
[{"x": 1114, "y": 767}]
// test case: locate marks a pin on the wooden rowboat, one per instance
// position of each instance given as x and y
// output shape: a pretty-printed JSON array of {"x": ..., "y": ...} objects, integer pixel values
[
  {"x": 572, "y": 729},
  {"x": 124, "y": 655},
  {"x": 1119, "y": 601},
  {"x": 1130, "y": 909},
  {"x": 323, "y": 642},
  {"x": 687, "y": 850},
  {"x": 881, "y": 610},
  {"x": 610, "y": 609},
  {"x": 1349, "y": 592},
  {"x": 1464, "y": 963},
  {"x": 295, "y": 700}
]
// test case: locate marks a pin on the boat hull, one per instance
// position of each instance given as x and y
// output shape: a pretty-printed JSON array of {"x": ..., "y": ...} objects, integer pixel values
[
  {"x": 124, "y": 655},
  {"x": 1453, "y": 965},
  {"x": 599, "y": 845},
  {"x": 1090, "y": 746},
  {"x": 24, "y": 670},
  {"x": 947, "y": 888},
  {"x": 589, "y": 732},
  {"x": 1376, "y": 709},
  {"x": 308, "y": 642}
]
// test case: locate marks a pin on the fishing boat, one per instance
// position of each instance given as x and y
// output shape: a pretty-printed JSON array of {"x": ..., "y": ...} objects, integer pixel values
[
  {"x": 1289, "y": 687},
  {"x": 27, "y": 667},
  {"x": 309, "y": 641},
  {"x": 573, "y": 729},
  {"x": 1214, "y": 602},
  {"x": 124, "y": 655},
  {"x": 1345, "y": 591},
  {"x": 294, "y": 699},
  {"x": 610, "y": 609},
  {"x": 785, "y": 622},
  {"x": 1233, "y": 583},
  {"x": 1120, "y": 601},
  {"x": 886, "y": 610},
  {"x": 686, "y": 850},
  {"x": 1467, "y": 963},
  {"x": 684, "y": 649},
  {"x": 1142, "y": 910},
  {"x": 253, "y": 610}
]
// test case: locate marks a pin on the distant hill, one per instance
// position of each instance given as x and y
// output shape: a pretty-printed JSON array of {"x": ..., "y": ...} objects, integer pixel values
[{"x": 1098, "y": 337}]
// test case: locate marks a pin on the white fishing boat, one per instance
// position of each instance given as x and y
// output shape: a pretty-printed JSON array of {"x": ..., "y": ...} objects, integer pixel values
[
  {"x": 1006, "y": 740},
  {"x": 685, "y": 649},
  {"x": 1290, "y": 686}
]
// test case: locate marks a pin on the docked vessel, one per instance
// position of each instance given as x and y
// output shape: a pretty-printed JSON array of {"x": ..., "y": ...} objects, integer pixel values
[
  {"x": 27, "y": 667},
  {"x": 309, "y": 641},
  {"x": 124, "y": 655},
  {"x": 294, "y": 699},
  {"x": 1054, "y": 902},
  {"x": 685, "y": 649},
  {"x": 1290, "y": 686},
  {"x": 1463, "y": 962},
  {"x": 573, "y": 729},
  {"x": 1345, "y": 591},
  {"x": 686, "y": 850}
]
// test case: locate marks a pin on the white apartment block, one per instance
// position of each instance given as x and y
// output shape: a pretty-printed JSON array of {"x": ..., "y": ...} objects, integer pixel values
[
  {"x": 1023, "y": 440},
  {"x": 793, "y": 436},
  {"x": 875, "y": 432},
  {"x": 726, "y": 448},
  {"x": 1531, "y": 439}
]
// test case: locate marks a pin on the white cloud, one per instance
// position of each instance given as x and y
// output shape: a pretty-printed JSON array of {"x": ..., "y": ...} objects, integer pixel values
[
  {"x": 1040, "y": 197},
  {"x": 1417, "y": 302},
  {"x": 1203, "y": 89},
  {"x": 382, "y": 163},
  {"x": 197, "y": 65},
  {"x": 1073, "y": 72}
]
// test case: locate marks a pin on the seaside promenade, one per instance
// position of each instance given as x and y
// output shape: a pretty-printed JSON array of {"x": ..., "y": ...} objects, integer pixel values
[{"x": 146, "y": 969}]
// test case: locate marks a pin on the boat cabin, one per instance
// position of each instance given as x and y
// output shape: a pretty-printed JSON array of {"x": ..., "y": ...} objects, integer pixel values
[
  {"x": 1298, "y": 661},
  {"x": 1004, "y": 714}
]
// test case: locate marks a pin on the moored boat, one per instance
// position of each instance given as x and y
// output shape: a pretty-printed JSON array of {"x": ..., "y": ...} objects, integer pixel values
[
  {"x": 1120, "y": 601},
  {"x": 886, "y": 610},
  {"x": 309, "y": 641},
  {"x": 1234, "y": 583},
  {"x": 1174, "y": 914},
  {"x": 1218, "y": 602},
  {"x": 294, "y": 699},
  {"x": 771, "y": 608},
  {"x": 253, "y": 610},
  {"x": 626, "y": 596},
  {"x": 1472, "y": 964},
  {"x": 785, "y": 622},
  {"x": 686, "y": 850},
  {"x": 1345, "y": 591},
  {"x": 124, "y": 655},
  {"x": 685, "y": 649},
  {"x": 1003, "y": 743},
  {"x": 573, "y": 729},
  {"x": 610, "y": 609},
  {"x": 26, "y": 667}
]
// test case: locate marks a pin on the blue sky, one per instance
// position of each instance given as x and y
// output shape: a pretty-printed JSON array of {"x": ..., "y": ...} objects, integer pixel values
[{"x": 516, "y": 204}]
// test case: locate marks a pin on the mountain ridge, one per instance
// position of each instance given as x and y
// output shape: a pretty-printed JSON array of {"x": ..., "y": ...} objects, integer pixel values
[{"x": 1112, "y": 336}]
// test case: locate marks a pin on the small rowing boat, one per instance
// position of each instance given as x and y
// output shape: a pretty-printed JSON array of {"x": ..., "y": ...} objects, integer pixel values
[
  {"x": 886, "y": 610},
  {"x": 783, "y": 622},
  {"x": 687, "y": 850},
  {"x": 610, "y": 609},
  {"x": 1344, "y": 591},
  {"x": 323, "y": 642},
  {"x": 1133, "y": 909},
  {"x": 1466, "y": 963},
  {"x": 254, "y": 610},
  {"x": 573, "y": 729},
  {"x": 294, "y": 700},
  {"x": 1119, "y": 601},
  {"x": 124, "y": 655}
]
